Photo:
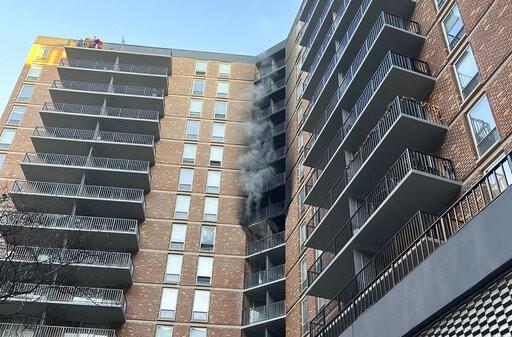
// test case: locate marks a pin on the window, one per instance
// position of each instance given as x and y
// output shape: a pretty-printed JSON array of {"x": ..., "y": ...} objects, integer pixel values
[
  {"x": 186, "y": 179},
  {"x": 3, "y": 156},
  {"x": 16, "y": 115},
  {"x": 168, "y": 303},
  {"x": 302, "y": 197},
  {"x": 211, "y": 208},
  {"x": 218, "y": 131},
  {"x": 197, "y": 332},
  {"x": 467, "y": 73},
  {"x": 198, "y": 87},
  {"x": 178, "y": 235},
  {"x": 26, "y": 92},
  {"x": 224, "y": 69},
  {"x": 439, "y": 3},
  {"x": 192, "y": 132},
  {"x": 303, "y": 274},
  {"x": 163, "y": 331},
  {"x": 196, "y": 107},
  {"x": 34, "y": 72},
  {"x": 302, "y": 234},
  {"x": 304, "y": 315},
  {"x": 483, "y": 126},
  {"x": 201, "y": 305},
  {"x": 320, "y": 301},
  {"x": 301, "y": 170},
  {"x": 201, "y": 67},
  {"x": 453, "y": 27},
  {"x": 221, "y": 109},
  {"x": 216, "y": 154},
  {"x": 6, "y": 138},
  {"x": 173, "y": 269},
  {"x": 213, "y": 182},
  {"x": 182, "y": 206},
  {"x": 222, "y": 89},
  {"x": 204, "y": 270},
  {"x": 189, "y": 153},
  {"x": 43, "y": 51},
  {"x": 207, "y": 243},
  {"x": 300, "y": 141}
]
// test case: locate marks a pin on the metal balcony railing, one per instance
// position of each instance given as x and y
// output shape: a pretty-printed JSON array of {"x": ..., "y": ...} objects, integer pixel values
[
  {"x": 264, "y": 277},
  {"x": 122, "y": 47},
  {"x": 265, "y": 243},
  {"x": 412, "y": 245},
  {"x": 271, "y": 109},
  {"x": 270, "y": 87},
  {"x": 95, "y": 110},
  {"x": 264, "y": 313},
  {"x": 319, "y": 24},
  {"x": 108, "y": 88},
  {"x": 32, "y": 330},
  {"x": 269, "y": 69},
  {"x": 67, "y": 257},
  {"x": 280, "y": 153},
  {"x": 390, "y": 60},
  {"x": 78, "y": 191},
  {"x": 111, "y": 66},
  {"x": 100, "y": 136},
  {"x": 52, "y": 159},
  {"x": 328, "y": 36},
  {"x": 382, "y": 20},
  {"x": 278, "y": 179},
  {"x": 275, "y": 130},
  {"x": 72, "y": 222},
  {"x": 44, "y": 293},
  {"x": 409, "y": 160},
  {"x": 270, "y": 211},
  {"x": 399, "y": 107}
]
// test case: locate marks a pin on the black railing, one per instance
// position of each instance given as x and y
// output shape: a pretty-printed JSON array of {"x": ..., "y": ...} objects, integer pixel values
[
  {"x": 265, "y": 243},
  {"x": 108, "y": 88},
  {"x": 409, "y": 160},
  {"x": 400, "y": 106},
  {"x": 412, "y": 245},
  {"x": 95, "y": 110},
  {"x": 264, "y": 276}
]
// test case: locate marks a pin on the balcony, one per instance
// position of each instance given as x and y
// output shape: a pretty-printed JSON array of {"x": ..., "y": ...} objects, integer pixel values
[
  {"x": 389, "y": 32},
  {"x": 117, "y": 95},
  {"x": 128, "y": 54},
  {"x": 269, "y": 88},
  {"x": 102, "y": 72},
  {"x": 270, "y": 316},
  {"x": 124, "y": 120},
  {"x": 270, "y": 280},
  {"x": 272, "y": 246},
  {"x": 80, "y": 266},
  {"x": 40, "y": 229},
  {"x": 271, "y": 110},
  {"x": 406, "y": 123},
  {"x": 64, "y": 168},
  {"x": 268, "y": 212},
  {"x": 414, "y": 243},
  {"x": 29, "y": 330},
  {"x": 106, "y": 144},
  {"x": 416, "y": 181},
  {"x": 276, "y": 181},
  {"x": 61, "y": 198},
  {"x": 305, "y": 10},
  {"x": 66, "y": 303},
  {"x": 268, "y": 70}
]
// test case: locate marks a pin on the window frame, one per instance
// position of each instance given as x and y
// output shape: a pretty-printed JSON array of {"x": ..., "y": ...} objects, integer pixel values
[
  {"x": 219, "y": 139},
  {"x": 25, "y": 100},
  {"x": 204, "y": 280},
  {"x": 198, "y": 312},
  {"x": 173, "y": 278},
  {"x": 164, "y": 326},
  {"x": 7, "y": 146},
  {"x": 185, "y": 187},
  {"x": 225, "y": 74},
  {"x": 216, "y": 163},
  {"x": 211, "y": 217},
  {"x": 445, "y": 33},
  {"x": 192, "y": 113},
  {"x": 32, "y": 78},
  {"x": 189, "y": 161},
  {"x": 211, "y": 188},
  {"x": 184, "y": 216},
  {"x": 215, "y": 109},
  {"x": 205, "y": 247},
  {"x": 201, "y": 73},
  {"x": 468, "y": 113},
  {"x": 461, "y": 90},
  {"x": 11, "y": 121},
  {"x": 172, "y": 311},
  {"x": 220, "y": 94},
  {"x": 202, "y": 330},
  {"x": 192, "y": 125},
  {"x": 198, "y": 80},
  {"x": 181, "y": 245}
]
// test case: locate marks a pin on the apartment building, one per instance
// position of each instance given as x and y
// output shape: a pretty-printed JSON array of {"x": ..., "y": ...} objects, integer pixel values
[{"x": 351, "y": 180}]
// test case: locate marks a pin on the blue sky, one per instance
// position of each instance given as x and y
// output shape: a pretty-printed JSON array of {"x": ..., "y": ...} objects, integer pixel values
[{"x": 231, "y": 26}]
